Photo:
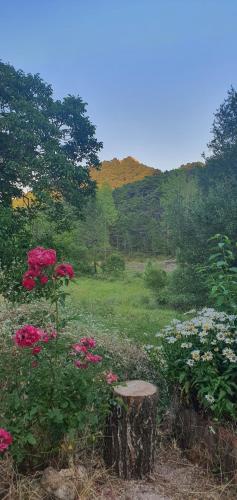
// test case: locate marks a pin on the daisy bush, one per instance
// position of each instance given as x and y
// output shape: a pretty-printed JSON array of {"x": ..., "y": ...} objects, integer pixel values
[
  {"x": 199, "y": 356},
  {"x": 54, "y": 387}
]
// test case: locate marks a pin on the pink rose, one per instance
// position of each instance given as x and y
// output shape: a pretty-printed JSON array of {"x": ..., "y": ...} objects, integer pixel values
[
  {"x": 5, "y": 440},
  {"x": 27, "y": 336},
  {"x": 111, "y": 377},
  {"x": 88, "y": 342},
  {"x": 79, "y": 348},
  {"x": 64, "y": 271},
  {"x": 93, "y": 358}
]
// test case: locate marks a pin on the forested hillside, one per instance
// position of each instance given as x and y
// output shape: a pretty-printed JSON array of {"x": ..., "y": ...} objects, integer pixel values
[
  {"x": 116, "y": 172},
  {"x": 144, "y": 224}
]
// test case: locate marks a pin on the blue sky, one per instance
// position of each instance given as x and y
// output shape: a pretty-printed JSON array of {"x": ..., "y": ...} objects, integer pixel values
[{"x": 152, "y": 71}]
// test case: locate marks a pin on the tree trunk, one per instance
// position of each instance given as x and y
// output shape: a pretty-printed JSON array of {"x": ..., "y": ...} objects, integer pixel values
[{"x": 131, "y": 430}]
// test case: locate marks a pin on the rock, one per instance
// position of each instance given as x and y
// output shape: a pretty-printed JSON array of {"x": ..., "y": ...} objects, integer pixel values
[
  {"x": 81, "y": 473},
  {"x": 64, "y": 484}
]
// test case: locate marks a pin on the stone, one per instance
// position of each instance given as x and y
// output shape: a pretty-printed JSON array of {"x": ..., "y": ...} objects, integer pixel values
[{"x": 64, "y": 484}]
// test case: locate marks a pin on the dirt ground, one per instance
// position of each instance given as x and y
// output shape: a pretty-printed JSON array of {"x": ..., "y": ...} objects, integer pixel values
[
  {"x": 168, "y": 265},
  {"x": 174, "y": 478}
]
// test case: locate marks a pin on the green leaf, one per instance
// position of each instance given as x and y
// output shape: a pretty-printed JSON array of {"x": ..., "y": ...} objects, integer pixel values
[{"x": 31, "y": 439}]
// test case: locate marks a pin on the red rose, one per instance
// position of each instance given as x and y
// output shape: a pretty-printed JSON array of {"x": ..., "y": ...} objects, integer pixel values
[
  {"x": 5, "y": 439},
  {"x": 79, "y": 348},
  {"x": 41, "y": 257},
  {"x": 64, "y": 271},
  {"x": 44, "y": 280},
  {"x": 93, "y": 358},
  {"x": 33, "y": 272},
  {"x": 88, "y": 342},
  {"x": 36, "y": 350},
  {"x": 27, "y": 336},
  {"x": 28, "y": 283}
]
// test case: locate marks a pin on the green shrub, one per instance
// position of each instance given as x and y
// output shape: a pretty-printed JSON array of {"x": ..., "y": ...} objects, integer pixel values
[
  {"x": 199, "y": 356},
  {"x": 155, "y": 278},
  {"x": 69, "y": 249},
  {"x": 163, "y": 297},
  {"x": 221, "y": 273},
  {"x": 15, "y": 238},
  {"x": 113, "y": 265},
  {"x": 187, "y": 287}
]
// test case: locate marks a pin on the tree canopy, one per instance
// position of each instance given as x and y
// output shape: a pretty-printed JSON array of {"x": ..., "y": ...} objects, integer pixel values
[
  {"x": 46, "y": 145},
  {"x": 224, "y": 127}
]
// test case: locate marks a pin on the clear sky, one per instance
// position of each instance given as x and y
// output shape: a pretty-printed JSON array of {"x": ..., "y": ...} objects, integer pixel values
[{"x": 152, "y": 71}]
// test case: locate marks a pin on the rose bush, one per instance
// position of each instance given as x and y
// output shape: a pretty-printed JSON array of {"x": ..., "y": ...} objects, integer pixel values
[
  {"x": 5, "y": 440},
  {"x": 51, "y": 387},
  {"x": 199, "y": 357}
]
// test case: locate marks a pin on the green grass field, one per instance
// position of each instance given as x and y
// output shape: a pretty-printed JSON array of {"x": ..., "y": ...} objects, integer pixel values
[{"x": 122, "y": 305}]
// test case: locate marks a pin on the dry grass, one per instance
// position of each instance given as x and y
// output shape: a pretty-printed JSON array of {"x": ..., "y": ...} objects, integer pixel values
[
  {"x": 174, "y": 478},
  {"x": 15, "y": 486}
]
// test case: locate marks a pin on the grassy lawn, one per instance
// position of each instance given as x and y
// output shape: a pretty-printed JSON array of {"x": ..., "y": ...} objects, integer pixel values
[{"x": 122, "y": 305}]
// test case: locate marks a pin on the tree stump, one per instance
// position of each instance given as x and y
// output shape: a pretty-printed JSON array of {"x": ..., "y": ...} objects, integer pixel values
[{"x": 131, "y": 430}]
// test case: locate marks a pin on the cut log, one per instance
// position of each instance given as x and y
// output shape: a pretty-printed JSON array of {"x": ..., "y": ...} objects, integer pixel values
[{"x": 131, "y": 430}]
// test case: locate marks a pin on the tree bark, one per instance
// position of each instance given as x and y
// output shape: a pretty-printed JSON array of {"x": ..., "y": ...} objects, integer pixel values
[{"x": 131, "y": 430}]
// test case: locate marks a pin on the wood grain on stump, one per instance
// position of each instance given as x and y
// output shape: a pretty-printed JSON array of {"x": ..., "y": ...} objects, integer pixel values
[{"x": 131, "y": 431}]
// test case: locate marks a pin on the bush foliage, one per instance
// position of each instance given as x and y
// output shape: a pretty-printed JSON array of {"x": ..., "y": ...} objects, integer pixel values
[{"x": 199, "y": 357}]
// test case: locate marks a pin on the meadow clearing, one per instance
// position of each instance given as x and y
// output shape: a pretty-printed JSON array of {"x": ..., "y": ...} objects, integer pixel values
[{"x": 123, "y": 305}]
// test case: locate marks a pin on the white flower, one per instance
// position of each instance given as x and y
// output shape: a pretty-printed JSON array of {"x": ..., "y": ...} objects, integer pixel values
[
  {"x": 210, "y": 398},
  {"x": 148, "y": 347},
  {"x": 227, "y": 352},
  {"x": 229, "y": 341},
  {"x": 190, "y": 362},
  {"x": 208, "y": 356},
  {"x": 196, "y": 322},
  {"x": 207, "y": 326},
  {"x": 171, "y": 340},
  {"x": 204, "y": 333},
  {"x": 230, "y": 355},
  {"x": 221, "y": 336},
  {"x": 195, "y": 354},
  {"x": 186, "y": 345}
]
